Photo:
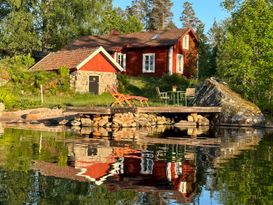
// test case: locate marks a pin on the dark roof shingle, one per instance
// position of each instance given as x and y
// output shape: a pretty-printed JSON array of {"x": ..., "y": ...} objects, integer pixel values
[{"x": 132, "y": 40}]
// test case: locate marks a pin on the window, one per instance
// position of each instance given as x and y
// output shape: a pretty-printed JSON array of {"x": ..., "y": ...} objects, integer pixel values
[
  {"x": 186, "y": 42},
  {"x": 148, "y": 63},
  {"x": 122, "y": 60},
  {"x": 180, "y": 63}
]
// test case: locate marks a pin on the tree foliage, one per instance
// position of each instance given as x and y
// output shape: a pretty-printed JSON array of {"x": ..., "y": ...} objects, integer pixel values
[
  {"x": 161, "y": 15},
  {"x": 153, "y": 14},
  {"x": 47, "y": 25},
  {"x": 121, "y": 21},
  {"x": 245, "y": 58},
  {"x": 140, "y": 9},
  {"x": 189, "y": 20},
  {"x": 188, "y": 17}
]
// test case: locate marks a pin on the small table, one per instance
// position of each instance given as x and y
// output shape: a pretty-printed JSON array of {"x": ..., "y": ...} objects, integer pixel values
[{"x": 177, "y": 97}]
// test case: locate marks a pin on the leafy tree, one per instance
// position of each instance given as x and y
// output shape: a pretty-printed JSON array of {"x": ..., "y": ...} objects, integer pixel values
[
  {"x": 245, "y": 57},
  {"x": 120, "y": 21},
  {"x": 17, "y": 32},
  {"x": 46, "y": 25}
]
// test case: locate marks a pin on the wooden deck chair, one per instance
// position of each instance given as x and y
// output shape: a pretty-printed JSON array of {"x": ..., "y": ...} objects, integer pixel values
[
  {"x": 189, "y": 95},
  {"x": 123, "y": 99},
  {"x": 120, "y": 99},
  {"x": 162, "y": 95},
  {"x": 132, "y": 98}
]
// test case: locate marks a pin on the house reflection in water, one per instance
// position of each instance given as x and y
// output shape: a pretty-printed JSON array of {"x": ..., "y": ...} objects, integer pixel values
[{"x": 162, "y": 168}]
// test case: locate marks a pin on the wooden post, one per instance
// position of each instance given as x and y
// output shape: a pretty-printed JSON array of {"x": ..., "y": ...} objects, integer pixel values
[{"x": 42, "y": 94}]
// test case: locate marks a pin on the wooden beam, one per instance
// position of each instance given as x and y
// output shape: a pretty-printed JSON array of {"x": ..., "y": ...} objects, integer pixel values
[
  {"x": 165, "y": 109},
  {"x": 90, "y": 110},
  {"x": 178, "y": 109}
]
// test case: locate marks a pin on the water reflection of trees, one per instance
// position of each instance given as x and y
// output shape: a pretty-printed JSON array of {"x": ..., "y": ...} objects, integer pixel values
[
  {"x": 235, "y": 163},
  {"x": 29, "y": 188},
  {"x": 248, "y": 178},
  {"x": 20, "y": 147}
]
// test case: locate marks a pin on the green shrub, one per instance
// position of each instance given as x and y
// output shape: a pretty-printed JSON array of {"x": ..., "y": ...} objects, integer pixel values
[
  {"x": 64, "y": 72},
  {"x": 123, "y": 83},
  {"x": 22, "y": 60},
  {"x": 7, "y": 98}
]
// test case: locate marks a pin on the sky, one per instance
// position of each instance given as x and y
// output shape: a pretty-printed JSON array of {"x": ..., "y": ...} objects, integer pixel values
[{"x": 205, "y": 10}]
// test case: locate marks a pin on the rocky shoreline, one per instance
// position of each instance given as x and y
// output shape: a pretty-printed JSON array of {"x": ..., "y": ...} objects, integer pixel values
[{"x": 236, "y": 112}]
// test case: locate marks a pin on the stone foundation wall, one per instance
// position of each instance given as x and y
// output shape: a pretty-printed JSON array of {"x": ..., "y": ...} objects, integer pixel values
[{"x": 79, "y": 80}]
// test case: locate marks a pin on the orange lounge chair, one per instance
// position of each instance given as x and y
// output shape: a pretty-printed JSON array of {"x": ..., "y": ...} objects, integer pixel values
[{"x": 123, "y": 99}]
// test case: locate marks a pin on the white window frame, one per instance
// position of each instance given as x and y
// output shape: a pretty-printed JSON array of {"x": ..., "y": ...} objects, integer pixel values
[
  {"x": 180, "y": 63},
  {"x": 121, "y": 59},
  {"x": 150, "y": 66},
  {"x": 186, "y": 42}
]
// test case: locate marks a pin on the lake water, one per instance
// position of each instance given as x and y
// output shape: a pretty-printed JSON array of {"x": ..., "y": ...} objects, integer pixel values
[{"x": 128, "y": 166}]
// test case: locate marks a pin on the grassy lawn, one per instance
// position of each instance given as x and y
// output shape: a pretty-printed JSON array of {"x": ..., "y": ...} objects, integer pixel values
[
  {"x": 25, "y": 94},
  {"x": 104, "y": 99}
]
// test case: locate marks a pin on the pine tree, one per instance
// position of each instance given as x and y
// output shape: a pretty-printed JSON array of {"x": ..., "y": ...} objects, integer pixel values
[
  {"x": 188, "y": 18},
  {"x": 160, "y": 16},
  {"x": 140, "y": 9}
]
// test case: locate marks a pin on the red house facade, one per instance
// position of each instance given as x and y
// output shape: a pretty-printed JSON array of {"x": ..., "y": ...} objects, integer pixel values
[
  {"x": 152, "y": 53},
  {"x": 95, "y": 60}
]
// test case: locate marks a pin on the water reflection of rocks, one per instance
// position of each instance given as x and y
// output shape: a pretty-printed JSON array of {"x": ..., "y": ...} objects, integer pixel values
[{"x": 235, "y": 141}]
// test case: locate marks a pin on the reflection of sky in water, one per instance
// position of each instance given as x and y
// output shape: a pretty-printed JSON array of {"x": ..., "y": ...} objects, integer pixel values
[
  {"x": 206, "y": 198},
  {"x": 131, "y": 165}
]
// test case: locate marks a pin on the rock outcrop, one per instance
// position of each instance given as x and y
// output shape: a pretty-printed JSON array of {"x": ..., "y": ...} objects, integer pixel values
[{"x": 235, "y": 110}]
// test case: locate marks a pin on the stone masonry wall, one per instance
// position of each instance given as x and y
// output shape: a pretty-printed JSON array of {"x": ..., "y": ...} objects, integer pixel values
[{"x": 79, "y": 80}]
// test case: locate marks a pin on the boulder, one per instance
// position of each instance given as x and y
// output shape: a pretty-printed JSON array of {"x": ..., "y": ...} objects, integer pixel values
[
  {"x": 190, "y": 118},
  {"x": 63, "y": 122},
  {"x": 104, "y": 120},
  {"x": 86, "y": 130},
  {"x": 75, "y": 123},
  {"x": 86, "y": 122},
  {"x": 203, "y": 121},
  {"x": 235, "y": 110},
  {"x": 184, "y": 123}
]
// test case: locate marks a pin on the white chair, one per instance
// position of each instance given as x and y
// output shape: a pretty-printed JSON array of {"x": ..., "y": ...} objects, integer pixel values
[
  {"x": 162, "y": 95},
  {"x": 189, "y": 94}
]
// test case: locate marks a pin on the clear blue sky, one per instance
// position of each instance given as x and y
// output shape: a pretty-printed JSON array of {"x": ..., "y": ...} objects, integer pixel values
[{"x": 206, "y": 10}]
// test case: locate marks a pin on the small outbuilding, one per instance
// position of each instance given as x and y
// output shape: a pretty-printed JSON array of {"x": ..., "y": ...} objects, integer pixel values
[{"x": 91, "y": 69}]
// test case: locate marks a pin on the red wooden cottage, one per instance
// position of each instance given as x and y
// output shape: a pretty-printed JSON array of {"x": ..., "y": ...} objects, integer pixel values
[
  {"x": 92, "y": 70},
  {"x": 152, "y": 53}
]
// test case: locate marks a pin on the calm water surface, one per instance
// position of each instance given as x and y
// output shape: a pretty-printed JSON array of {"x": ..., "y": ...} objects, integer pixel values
[{"x": 148, "y": 166}]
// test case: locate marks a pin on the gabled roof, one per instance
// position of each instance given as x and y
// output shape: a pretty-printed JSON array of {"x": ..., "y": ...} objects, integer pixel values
[
  {"x": 73, "y": 59},
  {"x": 132, "y": 40}
]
